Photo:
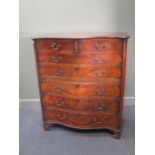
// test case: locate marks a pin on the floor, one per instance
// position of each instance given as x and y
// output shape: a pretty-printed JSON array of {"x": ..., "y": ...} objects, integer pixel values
[{"x": 64, "y": 141}]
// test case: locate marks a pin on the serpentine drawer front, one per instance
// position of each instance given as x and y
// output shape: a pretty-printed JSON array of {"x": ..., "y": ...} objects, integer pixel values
[{"x": 81, "y": 80}]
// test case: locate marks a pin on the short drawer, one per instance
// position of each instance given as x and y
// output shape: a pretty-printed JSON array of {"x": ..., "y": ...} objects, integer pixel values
[
  {"x": 101, "y": 45},
  {"x": 77, "y": 72},
  {"x": 80, "y": 119},
  {"x": 54, "y": 45},
  {"x": 84, "y": 59},
  {"x": 79, "y": 104},
  {"x": 60, "y": 88}
]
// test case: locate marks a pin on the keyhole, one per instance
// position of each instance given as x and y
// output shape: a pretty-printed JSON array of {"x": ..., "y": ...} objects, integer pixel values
[
  {"x": 77, "y": 68},
  {"x": 77, "y": 85},
  {"x": 77, "y": 100}
]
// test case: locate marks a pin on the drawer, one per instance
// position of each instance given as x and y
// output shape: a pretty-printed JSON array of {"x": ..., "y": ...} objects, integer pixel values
[
  {"x": 101, "y": 45},
  {"x": 54, "y": 45},
  {"x": 56, "y": 87},
  {"x": 79, "y": 119},
  {"x": 97, "y": 58},
  {"x": 80, "y": 104},
  {"x": 76, "y": 72}
]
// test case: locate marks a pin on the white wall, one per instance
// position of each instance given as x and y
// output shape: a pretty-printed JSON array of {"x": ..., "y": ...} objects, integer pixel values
[{"x": 56, "y": 16}]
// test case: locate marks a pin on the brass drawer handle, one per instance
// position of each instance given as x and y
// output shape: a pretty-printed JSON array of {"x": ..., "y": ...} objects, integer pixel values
[
  {"x": 99, "y": 121},
  {"x": 98, "y": 60},
  {"x": 59, "y": 90},
  {"x": 99, "y": 46},
  {"x": 99, "y": 107},
  {"x": 61, "y": 117},
  {"x": 59, "y": 104},
  {"x": 99, "y": 74},
  {"x": 58, "y": 72},
  {"x": 56, "y": 58},
  {"x": 55, "y": 46},
  {"x": 100, "y": 92}
]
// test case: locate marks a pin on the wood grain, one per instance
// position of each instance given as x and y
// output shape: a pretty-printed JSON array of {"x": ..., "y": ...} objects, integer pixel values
[
  {"x": 103, "y": 105},
  {"x": 100, "y": 45},
  {"x": 80, "y": 89},
  {"x": 107, "y": 57},
  {"x": 79, "y": 72},
  {"x": 81, "y": 81},
  {"x": 80, "y": 120}
]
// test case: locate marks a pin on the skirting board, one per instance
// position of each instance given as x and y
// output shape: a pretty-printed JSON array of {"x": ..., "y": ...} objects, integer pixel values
[{"x": 127, "y": 101}]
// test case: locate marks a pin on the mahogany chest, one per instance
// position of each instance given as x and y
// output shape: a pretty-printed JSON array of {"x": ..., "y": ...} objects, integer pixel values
[{"x": 81, "y": 80}]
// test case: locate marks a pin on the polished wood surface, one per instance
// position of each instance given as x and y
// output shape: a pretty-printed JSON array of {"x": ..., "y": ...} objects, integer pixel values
[
  {"x": 54, "y": 45},
  {"x": 102, "y": 105},
  {"x": 80, "y": 120},
  {"x": 108, "y": 57},
  {"x": 62, "y": 71},
  {"x": 79, "y": 89},
  {"x": 81, "y": 81},
  {"x": 100, "y": 45}
]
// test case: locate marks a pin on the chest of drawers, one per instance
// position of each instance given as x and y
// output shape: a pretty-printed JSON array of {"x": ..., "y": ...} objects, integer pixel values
[{"x": 81, "y": 80}]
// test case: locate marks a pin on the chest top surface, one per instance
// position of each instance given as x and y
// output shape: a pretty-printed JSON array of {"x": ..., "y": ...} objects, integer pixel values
[{"x": 83, "y": 35}]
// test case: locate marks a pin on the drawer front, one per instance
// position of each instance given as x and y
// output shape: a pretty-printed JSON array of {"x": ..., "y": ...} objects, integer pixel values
[
  {"x": 57, "y": 87},
  {"x": 77, "y": 119},
  {"x": 87, "y": 105},
  {"x": 101, "y": 45},
  {"x": 54, "y": 45},
  {"x": 97, "y": 58},
  {"x": 80, "y": 72}
]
